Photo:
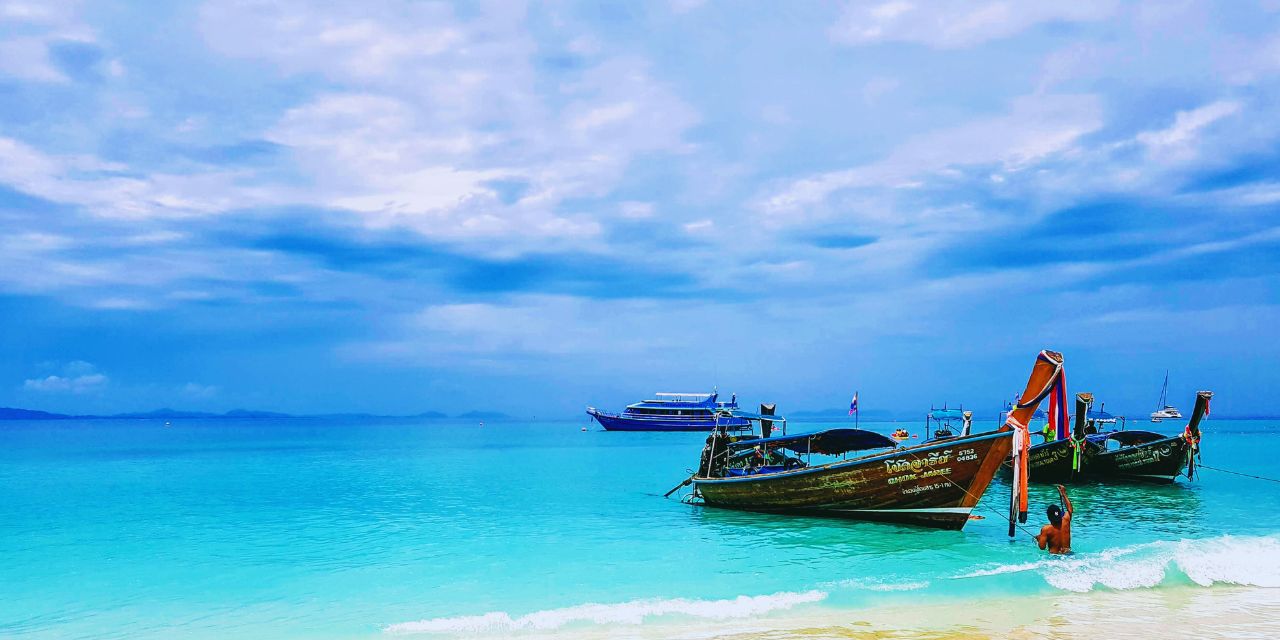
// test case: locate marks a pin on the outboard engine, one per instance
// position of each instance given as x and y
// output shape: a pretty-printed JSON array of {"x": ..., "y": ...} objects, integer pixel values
[{"x": 714, "y": 454}]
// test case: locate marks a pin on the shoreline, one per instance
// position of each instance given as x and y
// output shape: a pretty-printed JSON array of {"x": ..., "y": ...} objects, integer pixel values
[{"x": 1180, "y": 611}]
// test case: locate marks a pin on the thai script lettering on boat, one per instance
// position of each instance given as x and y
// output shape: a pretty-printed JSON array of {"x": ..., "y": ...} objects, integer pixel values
[
  {"x": 916, "y": 465},
  {"x": 1142, "y": 455},
  {"x": 924, "y": 487}
]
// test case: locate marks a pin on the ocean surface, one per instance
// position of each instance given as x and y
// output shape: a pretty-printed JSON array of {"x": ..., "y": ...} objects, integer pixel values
[{"x": 331, "y": 529}]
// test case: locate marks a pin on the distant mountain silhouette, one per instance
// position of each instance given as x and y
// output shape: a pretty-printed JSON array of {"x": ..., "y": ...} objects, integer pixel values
[
  {"x": 165, "y": 413},
  {"x": 245, "y": 413},
  {"x": 872, "y": 414},
  {"x": 7, "y": 413}
]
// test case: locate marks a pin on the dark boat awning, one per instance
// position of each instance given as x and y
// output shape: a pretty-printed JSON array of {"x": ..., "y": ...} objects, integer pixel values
[{"x": 829, "y": 442}]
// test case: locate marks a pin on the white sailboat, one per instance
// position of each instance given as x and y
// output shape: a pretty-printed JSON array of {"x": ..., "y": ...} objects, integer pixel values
[{"x": 1165, "y": 410}]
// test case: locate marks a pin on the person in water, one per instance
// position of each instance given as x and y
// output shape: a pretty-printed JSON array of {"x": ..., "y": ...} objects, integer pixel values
[{"x": 1056, "y": 536}]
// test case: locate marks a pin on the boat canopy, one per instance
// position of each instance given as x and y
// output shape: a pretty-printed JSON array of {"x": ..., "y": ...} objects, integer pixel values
[
  {"x": 685, "y": 397},
  {"x": 1100, "y": 415},
  {"x": 947, "y": 414},
  {"x": 1127, "y": 438},
  {"x": 829, "y": 442}
]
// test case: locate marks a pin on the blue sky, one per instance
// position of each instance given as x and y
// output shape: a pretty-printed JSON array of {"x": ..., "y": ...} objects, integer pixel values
[{"x": 403, "y": 206}]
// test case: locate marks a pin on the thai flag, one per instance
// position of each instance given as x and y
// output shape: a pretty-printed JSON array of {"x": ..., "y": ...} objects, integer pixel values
[{"x": 853, "y": 405}]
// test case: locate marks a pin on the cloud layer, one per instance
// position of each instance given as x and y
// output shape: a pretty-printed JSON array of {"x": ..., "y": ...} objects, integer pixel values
[{"x": 405, "y": 205}]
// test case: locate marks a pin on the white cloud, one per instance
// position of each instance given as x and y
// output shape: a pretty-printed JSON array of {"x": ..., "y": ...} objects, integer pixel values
[
  {"x": 28, "y": 59},
  {"x": 636, "y": 210},
  {"x": 29, "y": 29},
  {"x": 427, "y": 108},
  {"x": 699, "y": 226},
  {"x": 948, "y": 24},
  {"x": 77, "y": 377},
  {"x": 199, "y": 391},
  {"x": 469, "y": 334},
  {"x": 1186, "y": 127},
  {"x": 369, "y": 43},
  {"x": 101, "y": 190},
  {"x": 1034, "y": 129}
]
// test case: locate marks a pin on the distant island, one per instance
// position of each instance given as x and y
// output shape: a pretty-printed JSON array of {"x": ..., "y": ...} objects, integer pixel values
[
  {"x": 8, "y": 413},
  {"x": 803, "y": 415}
]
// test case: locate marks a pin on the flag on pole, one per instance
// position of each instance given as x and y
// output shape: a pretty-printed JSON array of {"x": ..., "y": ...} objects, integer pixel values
[{"x": 853, "y": 405}]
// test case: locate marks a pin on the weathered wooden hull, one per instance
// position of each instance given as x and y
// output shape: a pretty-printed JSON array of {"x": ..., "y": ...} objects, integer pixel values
[
  {"x": 1161, "y": 461},
  {"x": 933, "y": 485},
  {"x": 1049, "y": 462}
]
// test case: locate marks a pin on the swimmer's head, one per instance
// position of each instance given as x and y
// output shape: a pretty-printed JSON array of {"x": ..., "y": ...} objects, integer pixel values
[{"x": 1055, "y": 515}]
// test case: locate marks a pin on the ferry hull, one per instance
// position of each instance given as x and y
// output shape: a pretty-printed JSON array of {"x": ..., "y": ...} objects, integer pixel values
[
  {"x": 622, "y": 423},
  {"x": 932, "y": 485}
]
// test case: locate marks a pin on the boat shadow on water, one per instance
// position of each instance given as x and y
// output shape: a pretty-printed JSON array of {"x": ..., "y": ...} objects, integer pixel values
[{"x": 815, "y": 532}]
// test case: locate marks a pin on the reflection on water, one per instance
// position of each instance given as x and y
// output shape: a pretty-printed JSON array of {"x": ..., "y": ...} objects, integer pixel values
[{"x": 830, "y": 535}]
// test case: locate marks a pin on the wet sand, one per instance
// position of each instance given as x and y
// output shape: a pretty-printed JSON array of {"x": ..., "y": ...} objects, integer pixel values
[{"x": 1147, "y": 614}]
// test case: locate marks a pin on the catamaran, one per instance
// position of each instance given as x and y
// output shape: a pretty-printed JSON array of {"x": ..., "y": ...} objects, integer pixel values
[
  {"x": 672, "y": 412},
  {"x": 1165, "y": 411},
  {"x": 934, "y": 484}
]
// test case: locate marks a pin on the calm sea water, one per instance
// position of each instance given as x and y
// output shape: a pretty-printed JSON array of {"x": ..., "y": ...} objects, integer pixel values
[{"x": 330, "y": 529}]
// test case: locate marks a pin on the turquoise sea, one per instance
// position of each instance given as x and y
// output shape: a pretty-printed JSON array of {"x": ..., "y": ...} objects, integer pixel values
[{"x": 310, "y": 528}]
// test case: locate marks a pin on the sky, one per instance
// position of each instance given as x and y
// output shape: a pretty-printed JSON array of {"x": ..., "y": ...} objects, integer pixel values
[{"x": 396, "y": 207}]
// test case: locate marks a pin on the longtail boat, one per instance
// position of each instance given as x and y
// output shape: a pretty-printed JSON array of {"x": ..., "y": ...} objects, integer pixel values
[
  {"x": 934, "y": 484},
  {"x": 1126, "y": 455},
  {"x": 939, "y": 423}
]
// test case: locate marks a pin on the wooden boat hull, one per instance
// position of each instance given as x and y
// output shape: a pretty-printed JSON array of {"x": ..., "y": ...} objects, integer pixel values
[
  {"x": 1161, "y": 461},
  {"x": 934, "y": 484},
  {"x": 1048, "y": 462}
]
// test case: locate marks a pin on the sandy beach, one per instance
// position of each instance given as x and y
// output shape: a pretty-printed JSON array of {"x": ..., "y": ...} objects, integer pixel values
[{"x": 1180, "y": 612}]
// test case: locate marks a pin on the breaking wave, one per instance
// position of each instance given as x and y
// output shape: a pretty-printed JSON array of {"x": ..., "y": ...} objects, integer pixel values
[
  {"x": 875, "y": 584},
  {"x": 632, "y": 613},
  {"x": 1248, "y": 561}
]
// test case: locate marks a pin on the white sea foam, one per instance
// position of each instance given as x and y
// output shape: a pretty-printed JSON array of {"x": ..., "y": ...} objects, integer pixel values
[
  {"x": 1250, "y": 561},
  {"x": 873, "y": 584},
  {"x": 625, "y": 613}
]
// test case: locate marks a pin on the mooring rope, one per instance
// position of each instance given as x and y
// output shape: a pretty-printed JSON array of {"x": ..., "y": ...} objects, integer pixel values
[
  {"x": 977, "y": 499},
  {"x": 1237, "y": 473}
]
